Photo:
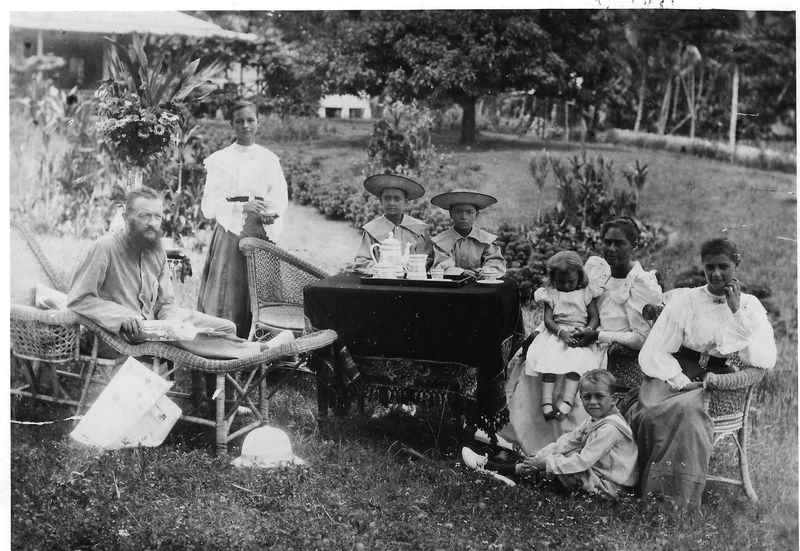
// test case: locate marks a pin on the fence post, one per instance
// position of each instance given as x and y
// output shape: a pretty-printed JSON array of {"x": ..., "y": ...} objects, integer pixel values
[{"x": 734, "y": 111}]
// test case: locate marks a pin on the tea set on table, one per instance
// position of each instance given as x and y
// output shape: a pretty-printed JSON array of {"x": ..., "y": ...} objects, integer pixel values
[{"x": 392, "y": 263}]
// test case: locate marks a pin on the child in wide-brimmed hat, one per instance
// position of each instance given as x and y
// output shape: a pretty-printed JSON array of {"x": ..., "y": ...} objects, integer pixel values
[
  {"x": 394, "y": 192},
  {"x": 464, "y": 247}
]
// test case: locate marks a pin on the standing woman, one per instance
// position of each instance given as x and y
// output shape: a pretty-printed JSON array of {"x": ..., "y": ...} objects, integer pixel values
[
  {"x": 246, "y": 193},
  {"x": 623, "y": 289},
  {"x": 715, "y": 328}
]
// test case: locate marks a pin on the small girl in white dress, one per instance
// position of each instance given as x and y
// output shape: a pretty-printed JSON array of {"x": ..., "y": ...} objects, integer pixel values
[{"x": 569, "y": 305}]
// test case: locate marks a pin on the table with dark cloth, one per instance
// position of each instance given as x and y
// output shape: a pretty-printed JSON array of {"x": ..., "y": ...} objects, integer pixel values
[{"x": 425, "y": 344}]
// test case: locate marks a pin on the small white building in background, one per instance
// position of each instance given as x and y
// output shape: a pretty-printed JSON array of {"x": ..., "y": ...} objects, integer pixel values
[{"x": 345, "y": 107}]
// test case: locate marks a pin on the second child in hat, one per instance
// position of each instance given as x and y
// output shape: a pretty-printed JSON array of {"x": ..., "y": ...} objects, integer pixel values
[{"x": 464, "y": 247}]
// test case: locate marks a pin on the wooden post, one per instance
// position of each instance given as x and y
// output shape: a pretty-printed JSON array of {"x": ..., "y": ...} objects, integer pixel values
[
  {"x": 734, "y": 111},
  {"x": 566, "y": 121},
  {"x": 642, "y": 90}
]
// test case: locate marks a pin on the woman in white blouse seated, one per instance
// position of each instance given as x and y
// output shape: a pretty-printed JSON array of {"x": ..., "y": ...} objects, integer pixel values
[
  {"x": 714, "y": 328},
  {"x": 247, "y": 195}
]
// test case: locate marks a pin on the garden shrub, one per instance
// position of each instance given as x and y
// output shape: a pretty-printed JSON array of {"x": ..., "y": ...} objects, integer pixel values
[
  {"x": 747, "y": 155},
  {"x": 587, "y": 197}
]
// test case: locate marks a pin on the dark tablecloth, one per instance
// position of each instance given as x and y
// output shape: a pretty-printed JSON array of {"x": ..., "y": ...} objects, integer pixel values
[{"x": 437, "y": 330}]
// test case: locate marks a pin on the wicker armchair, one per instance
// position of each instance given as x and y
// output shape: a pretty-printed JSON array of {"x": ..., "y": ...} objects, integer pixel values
[
  {"x": 39, "y": 337},
  {"x": 726, "y": 399},
  {"x": 253, "y": 370},
  {"x": 276, "y": 279}
]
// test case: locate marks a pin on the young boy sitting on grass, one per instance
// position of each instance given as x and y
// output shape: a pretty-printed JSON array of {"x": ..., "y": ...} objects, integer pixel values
[{"x": 599, "y": 456}]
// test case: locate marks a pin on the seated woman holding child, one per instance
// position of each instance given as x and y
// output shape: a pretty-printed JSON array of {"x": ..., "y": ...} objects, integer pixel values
[{"x": 622, "y": 289}]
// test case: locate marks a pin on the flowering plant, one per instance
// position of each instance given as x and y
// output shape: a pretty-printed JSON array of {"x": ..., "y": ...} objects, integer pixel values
[
  {"x": 135, "y": 133},
  {"x": 141, "y": 105}
]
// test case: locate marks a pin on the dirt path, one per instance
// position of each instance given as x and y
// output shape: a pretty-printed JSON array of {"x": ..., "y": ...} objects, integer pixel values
[{"x": 329, "y": 244}]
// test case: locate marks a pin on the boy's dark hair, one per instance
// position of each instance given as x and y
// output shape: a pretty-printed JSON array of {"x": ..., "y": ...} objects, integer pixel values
[{"x": 599, "y": 377}]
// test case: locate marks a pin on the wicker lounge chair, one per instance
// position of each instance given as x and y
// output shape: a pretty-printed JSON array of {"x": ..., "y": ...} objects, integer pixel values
[
  {"x": 40, "y": 338},
  {"x": 254, "y": 370},
  {"x": 52, "y": 337},
  {"x": 276, "y": 279}
]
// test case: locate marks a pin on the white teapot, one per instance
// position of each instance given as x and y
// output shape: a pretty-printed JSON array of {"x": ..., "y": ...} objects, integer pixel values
[{"x": 389, "y": 251}]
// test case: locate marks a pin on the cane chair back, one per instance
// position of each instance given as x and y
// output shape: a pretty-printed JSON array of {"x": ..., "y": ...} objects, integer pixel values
[
  {"x": 44, "y": 343},
  {"x": 276, "y": 280},
  {"x": 38, "y": 335}
]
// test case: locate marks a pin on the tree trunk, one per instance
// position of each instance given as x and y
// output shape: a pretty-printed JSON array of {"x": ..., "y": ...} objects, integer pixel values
[
  {"x": 676, "y": 96},
  {"x": 467, "y": 120},
  {"x": 642, "y": 90},
  {"x": 664, "y": 114},
  {"x": 734, "y": 111}
]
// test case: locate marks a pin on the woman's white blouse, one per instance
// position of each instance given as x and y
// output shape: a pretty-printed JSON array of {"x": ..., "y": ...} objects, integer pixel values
[
  {"x": 621, "y": 300},
  {"x": 694, "y": 319},
  {"x": 249, "y": 171}
]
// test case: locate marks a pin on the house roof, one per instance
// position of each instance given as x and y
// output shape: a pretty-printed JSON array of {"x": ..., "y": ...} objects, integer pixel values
[{"x": 123, "y": 22}]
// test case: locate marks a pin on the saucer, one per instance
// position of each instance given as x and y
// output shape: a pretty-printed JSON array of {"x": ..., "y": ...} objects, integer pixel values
[{"x": 490, "y": 281}]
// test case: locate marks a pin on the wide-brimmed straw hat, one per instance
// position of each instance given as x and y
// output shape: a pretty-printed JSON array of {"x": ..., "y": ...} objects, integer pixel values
[
  {"x": 463, "y": 197},
  {"x": 376, "y": 183},
  {"x": 266, "y": 447}
]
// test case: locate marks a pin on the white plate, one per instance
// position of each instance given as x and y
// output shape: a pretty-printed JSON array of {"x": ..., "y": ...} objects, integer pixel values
[{"x": 490, "y": 281}]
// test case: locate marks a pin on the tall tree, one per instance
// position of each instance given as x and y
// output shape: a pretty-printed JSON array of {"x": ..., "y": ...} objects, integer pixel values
[
  {"x": 441, "y": 55},
  {"x": 590, "y": 43}
]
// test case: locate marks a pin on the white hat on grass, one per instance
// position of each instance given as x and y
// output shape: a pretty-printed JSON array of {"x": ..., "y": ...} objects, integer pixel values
[{"x": 266, "y": 447}]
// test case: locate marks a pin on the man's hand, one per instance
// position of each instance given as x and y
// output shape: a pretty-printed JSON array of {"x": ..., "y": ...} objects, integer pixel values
[{"x": 131, "y": 330}]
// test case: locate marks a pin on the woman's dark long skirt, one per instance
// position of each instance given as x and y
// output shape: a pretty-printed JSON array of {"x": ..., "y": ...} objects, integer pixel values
[
  {"x": 674, "y": 435},
  {"x": 223, "y": 289}
]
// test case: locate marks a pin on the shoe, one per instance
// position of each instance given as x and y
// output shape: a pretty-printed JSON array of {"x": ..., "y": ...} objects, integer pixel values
[
  {"x": 504, "y": 479},
  {"x": 244, "y": 410},
  {"x": 560, "y": 414},
  {"x": 473, "y": 460},
  {"x": 550, "y": 415},
  {"x": 482, "y": 437}
]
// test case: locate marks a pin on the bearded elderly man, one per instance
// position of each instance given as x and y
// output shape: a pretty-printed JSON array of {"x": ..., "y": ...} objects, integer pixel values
[
  {"x": 124, "y": 278},
  {"x": 464, "y": 247}
]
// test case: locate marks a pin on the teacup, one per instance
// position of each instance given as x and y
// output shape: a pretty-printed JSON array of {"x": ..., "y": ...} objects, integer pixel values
[{"x": 437, "y": 273}]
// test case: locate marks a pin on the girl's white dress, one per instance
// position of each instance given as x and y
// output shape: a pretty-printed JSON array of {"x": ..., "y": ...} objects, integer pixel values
[{"x": 548, "y": 353}]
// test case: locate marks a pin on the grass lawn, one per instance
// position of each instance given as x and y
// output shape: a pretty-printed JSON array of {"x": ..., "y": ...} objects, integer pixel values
[{"x": 358, "y": 491}]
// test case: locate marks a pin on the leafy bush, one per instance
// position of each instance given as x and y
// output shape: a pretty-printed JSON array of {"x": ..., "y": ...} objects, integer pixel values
[{"x": 587, "y": 197}]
